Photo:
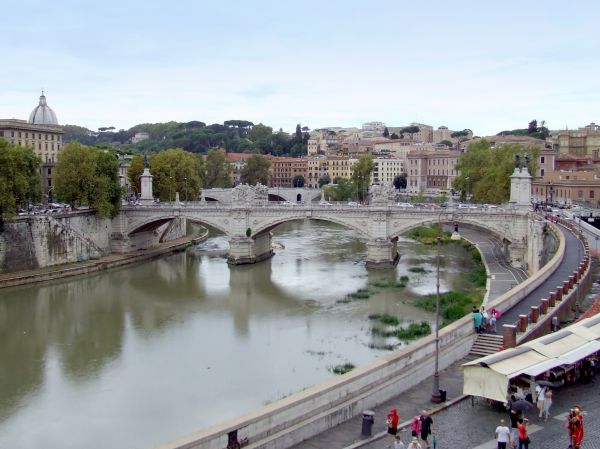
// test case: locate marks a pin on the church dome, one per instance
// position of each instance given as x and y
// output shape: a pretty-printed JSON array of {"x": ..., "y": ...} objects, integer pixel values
[{"x": 42, "y": 114}]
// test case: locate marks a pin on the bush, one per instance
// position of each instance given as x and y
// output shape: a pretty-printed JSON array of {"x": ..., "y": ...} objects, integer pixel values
[
  {"x": 343, "y": 369},
  {"x": 414, "y": 330}
]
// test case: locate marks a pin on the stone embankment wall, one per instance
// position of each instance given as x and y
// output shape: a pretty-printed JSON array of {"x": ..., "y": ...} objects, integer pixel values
[{"x": 46, "y": 240}]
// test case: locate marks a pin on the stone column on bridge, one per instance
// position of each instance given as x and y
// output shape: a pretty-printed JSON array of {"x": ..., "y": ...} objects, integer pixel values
[
  {"x": 146, "y": 183},
  {"x": 247, "y": 250},
  {"x": 520, "y": 185}
]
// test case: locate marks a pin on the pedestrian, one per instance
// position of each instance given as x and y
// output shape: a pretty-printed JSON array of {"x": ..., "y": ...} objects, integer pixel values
[
  {"x": 426, "y": 427},
  {"x": 415, "y": 426},
  {"x": 477, "y": 319},
  {"x": 392, "y": 426},
  {"x": 398, "y": 444},
  {"x": 575, "y": 426},
  {"x": 414, "y": 444},
  {"x": 493, "y": 319},
  {"x": 547, "y": 403},
  {"x": 515, "y": 419},
  {"x": 485, "y": 319},
  {"x": 502, "y": 435},
  {"x": 540, "y": 399},
  {"x": 523, "y": 437}
]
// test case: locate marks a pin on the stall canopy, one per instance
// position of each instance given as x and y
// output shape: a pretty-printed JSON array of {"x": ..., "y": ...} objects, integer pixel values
[{"x": 489, "y": 376}]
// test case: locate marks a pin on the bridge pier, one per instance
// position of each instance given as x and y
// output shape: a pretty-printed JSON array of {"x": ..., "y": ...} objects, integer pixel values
[
  {"x": 382, "y": 253},
  {"x": 248, "y": 250}
]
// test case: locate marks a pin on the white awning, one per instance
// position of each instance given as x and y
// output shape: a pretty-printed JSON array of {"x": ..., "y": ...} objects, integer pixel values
[{"x": 490, "y": 376}]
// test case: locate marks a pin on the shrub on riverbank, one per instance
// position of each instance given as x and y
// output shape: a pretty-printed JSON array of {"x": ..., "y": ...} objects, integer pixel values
[
  {"x": 453, "y": 305},
  {"x": 414, "y": 330},
  {"x": 389, "y": 283},
  {"x": 343, "y": 369},
  {"x": 428, "y": 234}
]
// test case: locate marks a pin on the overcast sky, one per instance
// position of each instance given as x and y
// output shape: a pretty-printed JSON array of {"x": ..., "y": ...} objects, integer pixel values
[{"x": 483, "y": 65}]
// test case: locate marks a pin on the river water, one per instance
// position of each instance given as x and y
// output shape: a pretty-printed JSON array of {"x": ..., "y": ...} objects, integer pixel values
[{"x": 136, "y": 357}]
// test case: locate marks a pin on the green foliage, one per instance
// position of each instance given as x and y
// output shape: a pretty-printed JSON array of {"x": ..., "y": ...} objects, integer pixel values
[
  {"x": 400, "y": 181},
  {"x": 136, "y": 169},
  {"x": 343, "y": 190},
  {"x": 298, "y": 181},
  {"x": 409, "y": 130},
  {"x": 176, "y": 170},
  {"x": 343, "y": 369},
  {"x": 361, "y": 294},
  {"x": 394, "y": 136},
  {"x": 485, "y": 172},
  {"x": 428, "y": 234},
  {"x": 418, "y": 270},
  {"x": 20, "y": 181},
  {"x": 217, "y": 169},
  {"x": 256, "y": 170},
  {"x": 453, "y": 305},
  {"x": 324, "y": 180},
  {"x": 413, "y": 331},
  {"x": 386, "y": 132},
  {"x": 447, "y": 142},
  {"x": 361, "y": 176},
  {"x": 89, "y": 176},
  {"x": 392, "y": 283}
]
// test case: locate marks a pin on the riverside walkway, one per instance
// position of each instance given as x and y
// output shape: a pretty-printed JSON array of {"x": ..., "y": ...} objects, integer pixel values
[{"x": 348, "y": 434}]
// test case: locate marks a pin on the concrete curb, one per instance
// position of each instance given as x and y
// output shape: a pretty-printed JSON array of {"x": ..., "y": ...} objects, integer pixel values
[{"x": 404, "y": 424}]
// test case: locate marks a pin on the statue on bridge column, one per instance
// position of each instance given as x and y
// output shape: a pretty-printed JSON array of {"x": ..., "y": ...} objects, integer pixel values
[
  {"x": 518, "y": 161},
  {"x": 381, "y": 194},
  {"x": 242, "y": 195}
]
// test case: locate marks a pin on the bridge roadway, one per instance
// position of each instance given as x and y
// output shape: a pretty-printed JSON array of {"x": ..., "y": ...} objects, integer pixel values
[{"x": 409, "y": 403}]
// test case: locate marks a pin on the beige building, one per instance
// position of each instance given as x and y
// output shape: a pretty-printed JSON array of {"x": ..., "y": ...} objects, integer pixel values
[
  {"x": 316, "y": 167},
  {"x": 567, "y": 187},
  {"x": 385, "y": 170},
  {"x": 43, "y": 134},
  {"x": 580, "y": 142},
  {"x": 431, "y": 171}
]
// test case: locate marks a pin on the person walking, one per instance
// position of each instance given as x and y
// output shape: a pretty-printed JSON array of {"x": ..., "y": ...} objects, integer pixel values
[
  {"x": 485, "y": 319},
  {"x": 575, "y": 426},
  {"x": 398, "y": 444},
  {"x": 541, "y": 397},
  {"x": 502, "y": 435},
  {"x": 392, "y": 426},
  {"x": 415, "y": 426},
  {"x": 547, "y": 403},
  {"x": 523, "y": 437},
  {"x": 426, "y": 427},
  {"x": 414, "y": 444},
  {"x": 515, "y": 419},
  {"x": 477, "y": 319}
]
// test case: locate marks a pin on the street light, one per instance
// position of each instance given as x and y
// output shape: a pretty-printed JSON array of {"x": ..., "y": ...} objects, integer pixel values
[
  {"x": 186, "y": 189},
  {"x": 436, "y": 396}
]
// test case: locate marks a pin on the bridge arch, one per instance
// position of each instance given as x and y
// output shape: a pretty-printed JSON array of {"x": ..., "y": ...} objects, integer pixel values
[
  {"x": 273, "y": 223},
  {"x": 152, "y": 223}
]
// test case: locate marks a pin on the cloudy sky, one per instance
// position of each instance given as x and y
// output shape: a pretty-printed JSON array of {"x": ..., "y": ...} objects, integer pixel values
[{"x": 484, "y": 65}]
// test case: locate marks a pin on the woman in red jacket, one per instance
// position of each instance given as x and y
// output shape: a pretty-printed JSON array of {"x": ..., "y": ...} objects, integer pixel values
[{"x": 392, "y": 426}]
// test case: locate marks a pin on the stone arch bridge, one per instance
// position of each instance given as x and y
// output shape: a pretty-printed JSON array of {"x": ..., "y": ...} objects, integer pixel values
[{"x": 248, "y": 218}]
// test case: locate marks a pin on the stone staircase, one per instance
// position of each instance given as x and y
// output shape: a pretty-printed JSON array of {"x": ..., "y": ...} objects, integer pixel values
[{"x": 486, "y": 344}]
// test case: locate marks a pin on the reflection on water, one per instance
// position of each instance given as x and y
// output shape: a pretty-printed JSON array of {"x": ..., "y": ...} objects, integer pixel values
[{"x": 138, "y": 356}]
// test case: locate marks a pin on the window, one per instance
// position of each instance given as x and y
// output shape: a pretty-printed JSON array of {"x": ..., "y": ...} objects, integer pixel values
[
  {"x": 542, "y": 172},
  {"x": 580, "y": 194},
  {"x": 591, "y": 194},
  {"x": 541, "y": 159},
  {"x": 49, "y": 171}
]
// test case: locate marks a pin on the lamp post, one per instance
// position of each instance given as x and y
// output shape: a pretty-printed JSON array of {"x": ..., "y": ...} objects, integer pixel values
[
  {"x": 186, "y": 189},
  {"x": 170, "y": 188},
  {"x": 436, "y": 397},
  {"x": 468, "y": 179}
]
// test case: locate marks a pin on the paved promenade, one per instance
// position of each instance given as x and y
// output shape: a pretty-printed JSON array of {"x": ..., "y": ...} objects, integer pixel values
[{"x": 464, "y": 425}]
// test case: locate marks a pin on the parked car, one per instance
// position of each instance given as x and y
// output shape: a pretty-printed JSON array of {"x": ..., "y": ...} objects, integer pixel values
[
  {"x": 404, "y": 205},
  {"x": 353, "y": 203},
  {"x": 325, "y": 203},
  {"x": 288, "y": 203}
]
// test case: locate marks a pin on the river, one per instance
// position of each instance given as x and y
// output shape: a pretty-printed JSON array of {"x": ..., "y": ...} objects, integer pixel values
[{"x": 135, "y": 357}]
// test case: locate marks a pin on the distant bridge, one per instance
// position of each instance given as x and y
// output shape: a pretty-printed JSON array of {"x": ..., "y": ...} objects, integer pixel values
[{"x": 247, "y": 219}]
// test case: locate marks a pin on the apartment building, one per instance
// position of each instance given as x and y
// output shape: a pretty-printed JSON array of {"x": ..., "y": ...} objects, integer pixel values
[
  {"x": 385, "y": 170},
  {"x": 431, "y": 170},
  {"x": 284, "y": 169},
  {"x": 580, "y": 142}
]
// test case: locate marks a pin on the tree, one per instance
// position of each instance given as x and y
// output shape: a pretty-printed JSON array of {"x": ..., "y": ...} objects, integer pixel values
[
  {"x": 134, "y": 172},
  {"x": 460, "y": 136},
  {"x": 485, "y": 171},
  {"x": 394, "y": 136},
  {"x": 298, "y": 181},
  {"x": 343, "y": 190},
  {"x": 256, "y": 170},
  {"x": 532, "y": 128},
  {"x": 87, "y": 175},
  {"x": 400, "y": 181},
  {"x": 324, "y": 180},
  {"x": 176, "y": 170},
  {"x": 260, "y": 132},
  {"x": 446, "y": 142},
  {"x": 20, "y": 180},
  {"x": 361, "y": 176},
  {"x": 298, "y": 136},
  {"x": 409, "y": 130},
  {"x": 386, "y": 132},
  {"x": 217, "y": 169}
]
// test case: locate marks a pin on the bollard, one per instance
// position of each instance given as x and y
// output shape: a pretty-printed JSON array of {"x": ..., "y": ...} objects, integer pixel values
[
  {"x": 572, "y": 282},
  {"x": 559, "y": 293},
  {"x": 522, "y": 323},
  {"x": 535, "y": 313},
  {"x": 575, "y": 277},
  {"x": 509, "y": 336},
  {"x": 555, "y": 323},
  {"x": 552, "y": 299},
  {"x": 544, "y": 306},
  {"x": 566, "y": 287}
]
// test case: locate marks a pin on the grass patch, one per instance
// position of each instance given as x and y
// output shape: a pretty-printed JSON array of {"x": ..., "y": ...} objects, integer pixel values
[
  {"x": 342, "y": 301},
  {"x": 428, "y": 234},
  {"x": 361, "y": 294},
  {"x": 453, "y": 305},
  {"x": 387, "y": 347},
  {"x": 418, "y": 270},
  {"x": 388, "y": 320},
  {"x": 414, "y": 330},
  {"x": 343, "y": 369}
]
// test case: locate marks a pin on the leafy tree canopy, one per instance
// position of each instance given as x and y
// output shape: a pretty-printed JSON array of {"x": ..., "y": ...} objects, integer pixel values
[
  {"x": 298, "y": 181},
  {"x": 256, "y": 170},
  {"x": 400, "y": 181},
  {"x": 176, "y": 170},
  {"x": 217, "y": 169},
  {"x": 324, "y": 180},
  {"x": 135, "y": 170},
  {"x": 485, "y": 171}
]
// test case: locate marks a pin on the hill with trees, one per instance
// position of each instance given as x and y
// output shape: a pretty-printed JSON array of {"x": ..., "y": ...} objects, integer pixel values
[{"x": 239, "y": 136}]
